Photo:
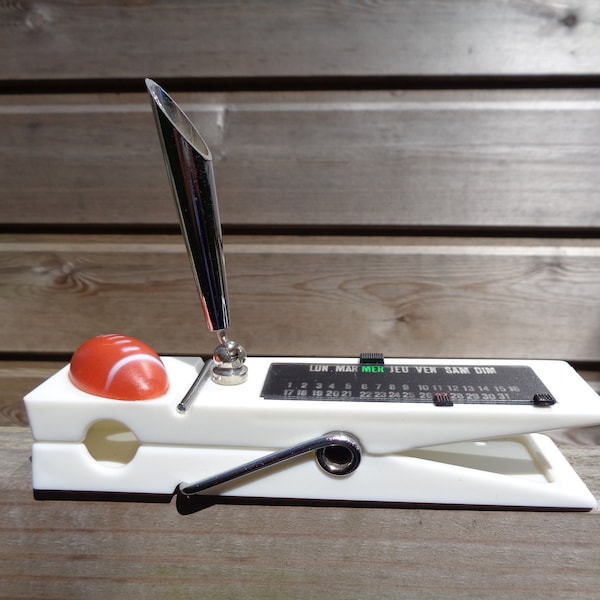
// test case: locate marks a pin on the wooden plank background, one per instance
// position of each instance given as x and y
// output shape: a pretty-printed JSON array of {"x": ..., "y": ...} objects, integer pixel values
[
  {"x": 266, "y": 38},
  {"x": 407, "y": 177},
  {"x": 306, "y": 295},
  {"x": 445, "y": 159}
]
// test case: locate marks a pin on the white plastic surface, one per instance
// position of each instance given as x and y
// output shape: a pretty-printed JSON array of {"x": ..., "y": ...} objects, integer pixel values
[{"x": 88, "y": 443}]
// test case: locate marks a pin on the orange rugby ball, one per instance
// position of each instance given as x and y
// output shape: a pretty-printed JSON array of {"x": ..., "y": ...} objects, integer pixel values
[{"x": 119, "y": 367}]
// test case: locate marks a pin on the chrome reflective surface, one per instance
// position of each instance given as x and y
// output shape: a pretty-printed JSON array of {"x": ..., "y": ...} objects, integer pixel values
[
  {"x": 189, "y": 166},
  {"x": 200, "y": 380},
  {"x": 335, "y": 439}
]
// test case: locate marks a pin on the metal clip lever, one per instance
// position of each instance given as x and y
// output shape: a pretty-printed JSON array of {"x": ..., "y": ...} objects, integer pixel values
[
  {"x": 195, "y": 387},
  {"x": 338, "y": 453}
]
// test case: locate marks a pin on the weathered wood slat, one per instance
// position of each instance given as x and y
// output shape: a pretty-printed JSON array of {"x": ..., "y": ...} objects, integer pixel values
[
  {"x": 310, "y": 295},
  {"x": 120, "y": 550},
  {"x": 434, "y": 159},
  {"x": 82, "y": 39}
]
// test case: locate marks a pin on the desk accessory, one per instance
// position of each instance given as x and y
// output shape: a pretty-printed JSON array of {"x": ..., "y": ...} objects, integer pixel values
[{"x": 122, "y": 423}]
